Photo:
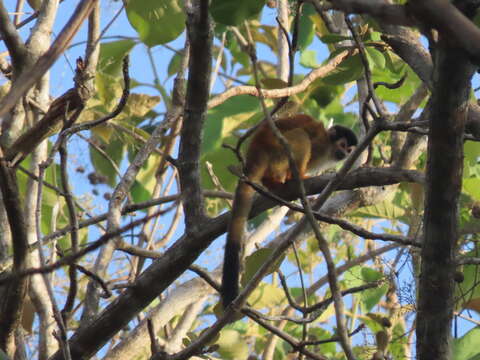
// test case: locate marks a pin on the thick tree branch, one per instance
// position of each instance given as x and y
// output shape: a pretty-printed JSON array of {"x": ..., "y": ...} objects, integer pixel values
[
  {"x": 13, "y": 293},
  {"x": 454, "y": 27},
  {"x": 200, "y": 33},
  {"x": 450, "y": 96},
  {"x": 393, "y": 14}
]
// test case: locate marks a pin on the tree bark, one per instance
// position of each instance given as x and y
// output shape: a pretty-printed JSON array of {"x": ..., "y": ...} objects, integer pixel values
[{"x": 450, "y": 94}]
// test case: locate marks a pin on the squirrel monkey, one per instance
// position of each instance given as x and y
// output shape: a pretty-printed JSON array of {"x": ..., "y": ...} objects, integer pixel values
[{"x": 313, "y": 148}]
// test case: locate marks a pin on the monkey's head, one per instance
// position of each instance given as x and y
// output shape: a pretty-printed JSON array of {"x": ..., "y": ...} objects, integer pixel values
[{"x": 343, "y": 141}]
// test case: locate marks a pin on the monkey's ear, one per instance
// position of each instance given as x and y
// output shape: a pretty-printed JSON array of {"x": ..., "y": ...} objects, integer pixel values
[
  {"x": 338, "y": 131},
  {"x": 332, "y": 133}
]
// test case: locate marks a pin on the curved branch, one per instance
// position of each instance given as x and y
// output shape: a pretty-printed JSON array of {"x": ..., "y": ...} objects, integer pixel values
[{"x": 278, "y": 93}]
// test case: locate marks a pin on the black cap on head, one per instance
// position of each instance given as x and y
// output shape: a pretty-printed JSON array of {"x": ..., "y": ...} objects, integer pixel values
[{"x": 338, "y": 131}]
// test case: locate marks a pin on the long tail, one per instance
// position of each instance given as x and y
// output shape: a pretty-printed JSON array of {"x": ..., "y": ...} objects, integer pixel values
[{"x": 242, "y": 204}]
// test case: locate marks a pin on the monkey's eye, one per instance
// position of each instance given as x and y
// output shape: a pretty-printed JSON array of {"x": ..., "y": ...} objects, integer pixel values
[{"x": 342, "y": 144}]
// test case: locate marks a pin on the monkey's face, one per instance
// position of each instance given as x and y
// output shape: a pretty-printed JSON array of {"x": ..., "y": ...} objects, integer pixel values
[
  {"x": 342, "y": 140},
  {"x": 341, "y": 149}
]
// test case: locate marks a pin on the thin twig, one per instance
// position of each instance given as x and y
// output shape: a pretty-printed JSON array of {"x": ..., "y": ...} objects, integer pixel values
[
  {"x": 118, "y": 109},
  {"x": 368, "y": 74},
  {"x": 205, "y": 276},
  {"x": 73, "y": 220},
  {"x": 304, "y": 291},
  {"x": 334, "y": 338},
  {"x": 154, "y": 347},
  {"x": 106, "y": 291}
]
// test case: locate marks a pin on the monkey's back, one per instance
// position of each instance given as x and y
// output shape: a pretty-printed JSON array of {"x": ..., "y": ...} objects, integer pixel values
[{"x": 302, "y": 133}]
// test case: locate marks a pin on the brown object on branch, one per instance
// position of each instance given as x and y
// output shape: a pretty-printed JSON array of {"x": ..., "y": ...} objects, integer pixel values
[{"x": 60, "y": 110}]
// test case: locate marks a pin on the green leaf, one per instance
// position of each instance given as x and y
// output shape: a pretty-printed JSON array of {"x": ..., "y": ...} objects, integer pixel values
[
  {"x": 138, "y": 105},
  {"x": 328, "y": 349},
  {"x": 266, "y": 296},
  {"x": 404, "y": 92},
  {"x": 308, "y": 59},
  {"x": 472, "y": 188},
  {"x": 174, "y": 65},
  {"x": 468, "y": 292},
  {"x": 360, "y": 275},
  {"x": 255, "y": 261},
  {"x": 353, "y": 277},
  {"x": 237, "y": 112},
  {"x": 307, "y": 28},
  {"x": 472, "y": 153},
  {"x": 267, "y": 35},
  {"x": 375, "y": 36},
  {"x": 145, "y": 180},
  {"x": 397, "y": 347},
  {"x": 324, "y": 94},
  {"x": 350, "y": 69},
  {"x": 238, "y": 55},
  {"x": 232, "y": 345},
  {"x": 375, "y": 57},
  {"x": 394, "y": 63},
  {"x": 111, "y": 56},
  {"x": 114, "y": 150},
  {"x": 384, "y": 210},
  {"x": 269, "y": 83},
  {"x": 51, "y": 200},
  {"x": 139, "y": 192},
  {"x": 371, "y": 297},
  {"x": 466, "y": 347},
  {"x": 226, "y": 117},
  {"x": 369, "y": 274},
  {"x": 234, "y": 12},
  {"x": 156, "y": 22},
  {"x": 109, "y": 90},
  {"x": 65, "y": 242},
  {"x": 371, "y": 322}
]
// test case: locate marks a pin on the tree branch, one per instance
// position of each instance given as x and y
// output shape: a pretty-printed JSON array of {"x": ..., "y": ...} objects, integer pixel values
[
  {"x": 13, "y": 41},
  {"x": 13, "y": 294},
  {"x": 288, "y": 91},
  {"x": 200, "y": 33}
]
